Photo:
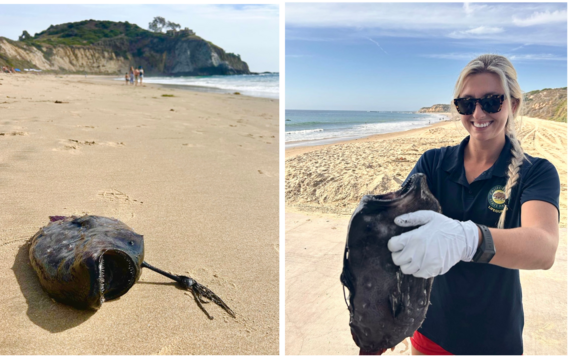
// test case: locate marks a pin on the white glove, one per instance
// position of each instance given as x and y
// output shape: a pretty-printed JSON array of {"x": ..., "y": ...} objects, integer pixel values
[{"x": 436, "y": 246}]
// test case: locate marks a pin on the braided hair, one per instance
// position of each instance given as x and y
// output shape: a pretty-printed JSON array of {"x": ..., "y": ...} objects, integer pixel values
[{"x": 502, "y": 67}]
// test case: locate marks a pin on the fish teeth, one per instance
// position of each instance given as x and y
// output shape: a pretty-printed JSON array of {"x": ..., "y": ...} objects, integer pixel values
[{"x": 101, "y": 280}]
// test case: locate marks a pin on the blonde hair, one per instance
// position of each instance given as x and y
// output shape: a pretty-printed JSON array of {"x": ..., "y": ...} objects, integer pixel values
[{"x": 502, "y": 67}]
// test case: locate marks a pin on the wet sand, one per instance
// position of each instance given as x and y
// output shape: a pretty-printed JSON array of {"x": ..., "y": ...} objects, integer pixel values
[{"x": 196, "y": 174}]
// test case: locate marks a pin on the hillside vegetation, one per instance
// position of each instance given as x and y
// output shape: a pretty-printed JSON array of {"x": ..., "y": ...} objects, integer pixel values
[
  {"x": 107, "y": 47},
  {"x": 90, "y": 32},
  {"x": 548, "y": 104}
]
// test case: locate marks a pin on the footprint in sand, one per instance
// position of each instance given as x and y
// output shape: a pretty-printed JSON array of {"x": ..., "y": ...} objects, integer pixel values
[
  {"x": 120, "y": 204},
  {"x": 15, "y": 133},
  {"x": 191, "y": 145},
  {"x": 72, "y": 144},
  {"x": 264, "y": 173},
  {"x": 114, "y": 195}
]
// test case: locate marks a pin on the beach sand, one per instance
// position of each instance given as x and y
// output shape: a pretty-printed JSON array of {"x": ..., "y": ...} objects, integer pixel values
[
  {"x": 197, "y": 174},
  {"x": 323, "y": 187}
]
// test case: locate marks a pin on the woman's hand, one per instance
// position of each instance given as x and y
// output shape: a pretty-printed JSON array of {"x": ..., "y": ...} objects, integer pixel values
[{"x": 435, "y": 247}]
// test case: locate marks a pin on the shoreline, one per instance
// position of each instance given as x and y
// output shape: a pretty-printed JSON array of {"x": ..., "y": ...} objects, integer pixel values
[
  {"x": 113, "y": 79},
  {"x": 331, "y": 141},
  {"x": 193, "y": 88},
  {"x": 301, "y": 149}
]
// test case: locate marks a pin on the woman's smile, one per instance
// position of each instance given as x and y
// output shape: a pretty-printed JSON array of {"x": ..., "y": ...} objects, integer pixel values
[{"x": 481, "y": 125}]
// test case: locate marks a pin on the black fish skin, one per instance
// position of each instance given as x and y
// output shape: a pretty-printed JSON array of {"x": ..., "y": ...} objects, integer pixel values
[
  {"x": 386, "y": 306},
  {"x": 66, "y": 254}
]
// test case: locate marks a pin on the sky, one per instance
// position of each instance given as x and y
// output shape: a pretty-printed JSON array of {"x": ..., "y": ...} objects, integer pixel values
[
  {"x": 404, "y": 56},
  {"x": 252, "y": 31}
]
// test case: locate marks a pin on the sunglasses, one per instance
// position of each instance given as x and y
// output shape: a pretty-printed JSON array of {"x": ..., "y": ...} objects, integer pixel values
[{"x": 489, "y": 104}]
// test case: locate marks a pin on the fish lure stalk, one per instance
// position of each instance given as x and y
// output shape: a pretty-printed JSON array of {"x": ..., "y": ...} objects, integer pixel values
[{"x": 197, "y": 290}]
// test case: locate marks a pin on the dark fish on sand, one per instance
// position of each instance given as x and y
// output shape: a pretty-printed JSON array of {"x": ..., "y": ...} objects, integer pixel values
[
  {"x": 85, "y": 261},
  {"x": 386, "y": 306}
]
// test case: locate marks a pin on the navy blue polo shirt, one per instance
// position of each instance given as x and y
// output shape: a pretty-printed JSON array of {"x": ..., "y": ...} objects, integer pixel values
[{"x": 477, "y": 308}]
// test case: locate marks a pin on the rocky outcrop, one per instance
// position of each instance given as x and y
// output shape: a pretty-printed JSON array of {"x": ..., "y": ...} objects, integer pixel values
[
  {"x": 181, "y": 55},
  {"x": 548, "y": 104},
  {"x": 91, "y": 59},
  {"x": 435, "y": 108}
]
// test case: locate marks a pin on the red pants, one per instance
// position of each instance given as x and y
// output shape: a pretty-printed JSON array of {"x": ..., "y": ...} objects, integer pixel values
[
  {"x": 426, "y": 346},
  {"x": 420, "y": 343}
]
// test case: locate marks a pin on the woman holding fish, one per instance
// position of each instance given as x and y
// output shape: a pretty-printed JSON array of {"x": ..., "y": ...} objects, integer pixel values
[{"x": 499, "y": 214}]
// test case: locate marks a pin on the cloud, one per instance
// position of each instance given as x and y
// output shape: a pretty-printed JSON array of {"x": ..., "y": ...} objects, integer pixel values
[
  {"x": 478, "y": 31},
  {"x": 294, "y": 56},
  {"x": 452, "y": 56},
  {"x": 435, "y": 20},
  {"x": 466, "y": 56},
  {"x": 483, "y": 30},
  {"x": 536, "y": 57},
  {"x": 467, "y": 8},
  {"x": 541, "y": 18},
  {"x": 377, "y": 44}
]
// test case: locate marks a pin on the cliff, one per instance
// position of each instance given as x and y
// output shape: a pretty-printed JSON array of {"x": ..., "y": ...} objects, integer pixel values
[
  {"x": 435, "y": 108},
  {"x": 63, "y": 58},
  {"x": 105, "y": 47},
  {"x": 548, "y": 104}
]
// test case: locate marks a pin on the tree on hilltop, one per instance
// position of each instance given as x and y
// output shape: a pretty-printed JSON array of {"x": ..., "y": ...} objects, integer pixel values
[
  {"x": 173, "y": 26},
  {"x": 157, "y": 24},
  {"x": 25, "y": 36}
]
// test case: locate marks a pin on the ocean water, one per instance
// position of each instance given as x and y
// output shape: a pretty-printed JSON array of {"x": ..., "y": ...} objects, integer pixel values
[
  {"x": 262, "y": 85},
  {"x": 304, "y": 127}
]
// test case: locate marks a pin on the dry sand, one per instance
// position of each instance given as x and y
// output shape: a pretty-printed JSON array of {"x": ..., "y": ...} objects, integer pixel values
[
  {"x": 323, "y": 186},
  {"x": 196, "y": 174}
]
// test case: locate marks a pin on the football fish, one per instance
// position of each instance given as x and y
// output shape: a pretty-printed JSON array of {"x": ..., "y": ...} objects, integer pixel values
[
  {"x": 385, "y": 305},
  {"x": 85, "y": 261}
]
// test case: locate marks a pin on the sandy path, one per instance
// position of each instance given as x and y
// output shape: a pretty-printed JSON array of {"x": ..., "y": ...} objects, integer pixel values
[
  {"x": 196, "y": 174},
  {"x": 316, "y": 317}
]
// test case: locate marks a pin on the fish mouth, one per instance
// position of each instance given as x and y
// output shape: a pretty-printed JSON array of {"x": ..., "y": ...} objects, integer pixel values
[
  {"x": 413, "y": 183},
  {"x": 116, "y": 274}
]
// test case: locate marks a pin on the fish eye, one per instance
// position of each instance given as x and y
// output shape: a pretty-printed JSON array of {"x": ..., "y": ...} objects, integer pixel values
[{"x": 131, "y": 243}]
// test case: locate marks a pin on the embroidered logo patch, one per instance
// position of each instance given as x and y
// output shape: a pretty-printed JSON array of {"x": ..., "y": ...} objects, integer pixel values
[{"x": 496, "y": 199}]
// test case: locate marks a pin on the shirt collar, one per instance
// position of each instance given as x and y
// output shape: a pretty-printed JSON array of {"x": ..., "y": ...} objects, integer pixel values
[
  {"x": 501, "y": 166},
  {"x": 454, "y": 159}
]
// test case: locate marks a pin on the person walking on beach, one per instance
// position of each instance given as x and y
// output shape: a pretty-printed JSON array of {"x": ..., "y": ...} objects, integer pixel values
[
  {"x": 500, "y": 213},
  {"x": 136, "y": 77},
  {"x": 126, "y": 78},
  {"x": 141, "y": 74},
  {"x": 132, "y": 75}
]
